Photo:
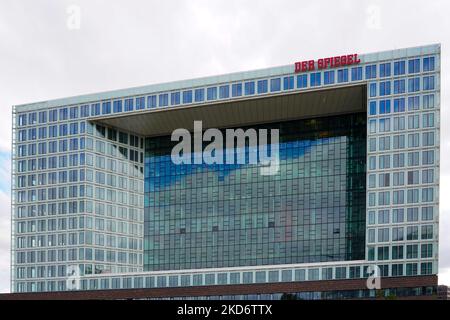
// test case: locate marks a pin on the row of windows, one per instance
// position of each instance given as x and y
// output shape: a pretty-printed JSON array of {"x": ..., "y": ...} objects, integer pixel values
[
  {"x": 399, "y": 86},
  {"x": 399, "y": 216},
  {"x": 63, "y": 255},
  {"x": 80, "y": 238},
  {"x": 401, "y": 178},
  {"x": 237, "y": 89},
  {"x": 401, "y": 196},
  {"x": 398, "y": 252},
  {"x": 386, "y": 124},
  {"x": 399, "y": 160},
  {"x": 387, "y": 143},
  {"x": 186, "y": 280},
  {"x": 398, "y": 234},
  {"x": 396, "y": 105},
  {"x": 63, "y": 208}
]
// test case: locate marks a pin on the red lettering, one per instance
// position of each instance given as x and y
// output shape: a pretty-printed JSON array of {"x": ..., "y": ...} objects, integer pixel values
[
  {"x": 324, "y": 63},
  {"x": 320, "y": 64},
  {"x": 304, "y": 66},
  {"x": 350, "y": 59},
  {"x": 337, "y": 61},
  {"x": 356, "y": 58},
  {"x": 298, "y": 67},
  {"x": 311, "y": 65},
  {"x": 344, "y": 60}
]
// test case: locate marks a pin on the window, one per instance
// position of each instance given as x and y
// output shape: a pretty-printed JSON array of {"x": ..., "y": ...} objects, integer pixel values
[
  {"x": 399, "y": 68},
  {"x": 164, "y": 100},
  {"x": 428, "y": 64},
  {"x": 315, "y": 79},
  {"x": 288, "y": 83},
  {"x": 175, "y": 98},
  {"x": 428, "y": 83},
  {"x": 413, "y": 122},
  {"x": 199, "y": 95},
  {"x": 384, "y": 198},
  {"x": 413, "y": 66},
  {"x": 385, "y": 106},
  {"x": 236, "y": 90},
  {"x": 428, "y": 120},
  {"x": 129, "y": 105},
  {"x": 397, "y": 252},
  {"x": 262, "y": 86},
  {"x": 95, "y": 110},
  {"x": 342, "y": 75},
  {"x": 302, "y": 81},
  {"x": 373, "y": 108},
  {"x": 84, "y": 112},
  {"x": 117, "y": 106},
  {"x": 385, "y": 125},
  {"x": 249, "y": 88},
  {"x": 428, "y": 157},
  {"x": 426, "y": 251},
  {"x": 275, "y": 85},
  {"x": 412, "y": 251},
  {"x": 398, "y": 234},
  {"x": 428, "y": 101},
  {"x": 140, "y": 103},
  {"x": 224, "y": 92},
  {"x": 413, "y": 103},
  {"x": 371, "y": 72},
  {"x": 413, "y": 85},
  {"x": 373, "y": 90},
  {"x": 427, "y": 213},
  {"x": 399, "y": 86},
  {"x": 211, "y": 93},
  {"x": 357, "y": 74},
  {"x": 385, "y": 70},
  {"x": 328, "y": 77},
  {"x": 106, "y": 107},
  {"x": 427, "y": 232},
  {"x": 187, "y": 96},
  {"x": 399, "y": 105},
  {"x": 151, "y": 101},
  {"x": 73, "y": 113},
  {"x": 397, "y": 215},
  {"x": 385, "y": 88}
]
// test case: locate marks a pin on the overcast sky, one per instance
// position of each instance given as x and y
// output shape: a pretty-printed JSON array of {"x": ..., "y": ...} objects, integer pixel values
[{"x": 130, "y": 43}]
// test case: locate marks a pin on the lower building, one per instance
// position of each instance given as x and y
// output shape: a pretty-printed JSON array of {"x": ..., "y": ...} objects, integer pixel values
[{"x": 308, "y": 181}]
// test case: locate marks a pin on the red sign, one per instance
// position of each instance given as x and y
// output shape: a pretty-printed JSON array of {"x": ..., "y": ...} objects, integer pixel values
[{"x": 327, "y": 63}]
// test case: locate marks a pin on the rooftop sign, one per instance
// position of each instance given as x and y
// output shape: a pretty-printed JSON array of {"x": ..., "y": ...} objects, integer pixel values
[{"x": 327, "y": 63}]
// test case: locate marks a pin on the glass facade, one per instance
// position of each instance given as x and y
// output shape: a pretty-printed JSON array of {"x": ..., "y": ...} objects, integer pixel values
[{"x": 214, "y": 216}]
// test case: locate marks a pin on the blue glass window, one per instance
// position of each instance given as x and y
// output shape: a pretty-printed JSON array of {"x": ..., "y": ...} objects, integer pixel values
[
  {"x": 249, "y": 88},
  {"x": 357, "y": 74},
  {"x": 428, "y": 83},
  {"x": 275, "y": 85},
  {"x": 399, "y": 105},
  {"x": 413, "y": 85},
  {"x": 164, "y": 100},
  {"x": 302, "y": 81},
  {"x": 199, "y": 95},
  {"x": 328, "y": 77},
  {"x": 399, "y": 86},
  {"x": 117, "y": 106},
  {"x": 342, "y": 75},
  {"x": 106, "y": 107},
  {"x": 385, "y": 106},
  {"x": 175, "y": 98},
  {"x": 315, "y": 79},
  {"x": 399, "y": 68},
  {"x": 414, "y": 66},
  {"x": 373, "y": 108},
  {"x": 385, "y": 88},
  {"x": 236, "y": 90},
  {"x": 95, "y": 109},
  {"x": 385, "y": 70},
  {"x": 371, "y": 71},
  {"x": 43, "y": 116},
  {"x": 129, "y": 106},
  {"x": 211, "y": 93},
  {"x": 413, "y": 103},
  {"x": 288, "y": 83},
  {"x": 84, "y": 111},
  {"x": 32, "y": 118},
  {"x": 151, "y": 101},
  {"x": 224, "y": 92},
  {"x": 428, "y": 64},
  {"x": 140, "y": 103},
  {"x": 187, "y": 96},
  {"x": 63, "y": 130},
  {"x": 73, "y": 129},
  {"x": 373, "y": 90},
  {"x": 53, "y": 131},
  {"x": 53, "y": 115},
  {"x": 73, "y": 113},
  {"x": 32, "y": 134},
  {"x": 63, "y": 114},
  {"x": 262, "y": 86}
]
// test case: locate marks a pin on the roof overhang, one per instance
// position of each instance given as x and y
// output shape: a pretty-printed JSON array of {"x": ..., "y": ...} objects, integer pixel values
[{"x": 242, "y": 112}]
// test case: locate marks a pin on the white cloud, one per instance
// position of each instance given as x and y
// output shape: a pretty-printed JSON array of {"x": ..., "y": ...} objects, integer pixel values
[{"x": 124, "y": 44}]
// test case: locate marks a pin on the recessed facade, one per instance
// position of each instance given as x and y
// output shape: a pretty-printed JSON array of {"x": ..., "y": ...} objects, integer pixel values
[{"x": 98, "y": 204}]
